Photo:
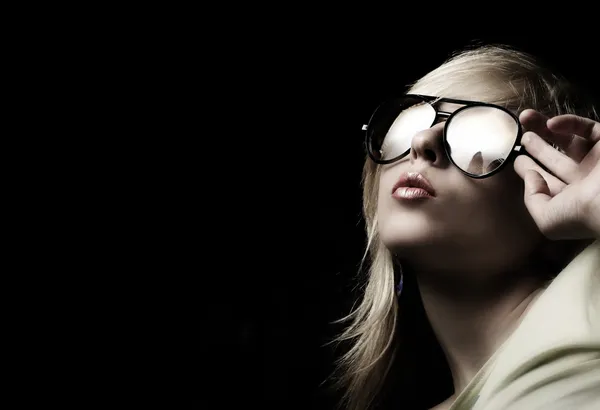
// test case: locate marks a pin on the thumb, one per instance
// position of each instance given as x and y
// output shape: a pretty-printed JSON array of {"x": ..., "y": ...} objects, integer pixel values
[
  {"x": 536, "y": 198},
  {"x": 535, "y": 184}
]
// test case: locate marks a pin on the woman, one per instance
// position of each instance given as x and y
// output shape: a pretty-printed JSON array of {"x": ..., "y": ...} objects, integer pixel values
[{"x": 495, "y": 253}]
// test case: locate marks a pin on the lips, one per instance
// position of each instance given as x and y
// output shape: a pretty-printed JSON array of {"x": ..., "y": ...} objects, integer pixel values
[{"x": 414, "y": 180}]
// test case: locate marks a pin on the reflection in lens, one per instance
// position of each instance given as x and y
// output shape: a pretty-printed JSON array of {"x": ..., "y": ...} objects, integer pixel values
[
  {"x": 410, "y": 121},
  {"x": 493, "y": 165},
  {"x": 476, "y": 164},
  {"x": 480, "y": 138}
]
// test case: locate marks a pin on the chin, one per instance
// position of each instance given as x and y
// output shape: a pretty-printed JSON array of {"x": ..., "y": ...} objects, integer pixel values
[{"x": 406, "y": 235}]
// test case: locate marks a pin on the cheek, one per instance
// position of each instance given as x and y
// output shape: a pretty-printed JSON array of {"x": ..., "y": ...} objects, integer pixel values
[
  {"x": 501, "y": 201},
  {"x": 382, "y": 204},
  {"x": 384, "y": 190},
  {"x": 486, "y": 203},
  {"x": 386, "y": 180},
  {"x": 385, "y": 208},
  {"x": 507, "y": 189}
]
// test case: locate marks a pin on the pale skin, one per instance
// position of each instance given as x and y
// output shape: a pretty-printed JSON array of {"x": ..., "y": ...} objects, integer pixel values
[
  {"x": 490, "y": 226},
  {"x": 566, "y": 203}
]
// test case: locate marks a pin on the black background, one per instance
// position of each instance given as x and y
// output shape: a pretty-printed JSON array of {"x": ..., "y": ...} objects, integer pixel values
[{"x": 222, "y": 232}]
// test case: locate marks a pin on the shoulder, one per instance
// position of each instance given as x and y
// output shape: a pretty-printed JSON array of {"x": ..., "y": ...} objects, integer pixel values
[{"x": 567, "y": 377}]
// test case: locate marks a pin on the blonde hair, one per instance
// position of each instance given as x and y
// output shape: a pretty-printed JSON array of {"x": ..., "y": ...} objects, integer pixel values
[{"x": 505, "y": 76}]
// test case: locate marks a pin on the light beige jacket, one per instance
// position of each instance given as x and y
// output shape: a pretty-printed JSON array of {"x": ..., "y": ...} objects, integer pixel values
[{"x": 552, "y": 360}]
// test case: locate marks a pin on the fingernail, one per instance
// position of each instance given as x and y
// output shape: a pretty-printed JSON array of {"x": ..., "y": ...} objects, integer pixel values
[{"x": 525, "y": 138}]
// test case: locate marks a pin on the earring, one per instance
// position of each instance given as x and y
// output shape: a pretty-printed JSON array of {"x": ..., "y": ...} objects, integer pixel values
[{"x": 400, "y": 285}]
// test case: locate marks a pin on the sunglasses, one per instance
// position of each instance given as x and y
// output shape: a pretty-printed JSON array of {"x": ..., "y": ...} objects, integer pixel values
[{"x": 478, "y": 138}]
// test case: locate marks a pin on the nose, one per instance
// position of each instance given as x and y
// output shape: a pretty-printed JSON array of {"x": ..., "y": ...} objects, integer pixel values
[{"x": 428, "y": 146}]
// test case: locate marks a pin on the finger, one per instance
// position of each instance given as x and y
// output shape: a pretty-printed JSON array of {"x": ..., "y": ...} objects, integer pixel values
[
  {"x": 558, "y": 163},
  {"x": 476, "y": 164},
  {"x": 590, "y": 161},
  {"x": 574, "y": 146},
  {"x": 523, "y": 164},
  {"x": 537, "y": 200},
  {"x": 536, "y": 184},
  {"x": 536, "y": 122},
  {"x": 591, "y": 199},
  {"x": 555, "y": 217},
  {"x": 569, "y": 124}
]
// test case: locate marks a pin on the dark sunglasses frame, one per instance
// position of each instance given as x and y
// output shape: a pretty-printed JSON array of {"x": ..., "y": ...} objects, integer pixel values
[{"x": 515, "y": 150}]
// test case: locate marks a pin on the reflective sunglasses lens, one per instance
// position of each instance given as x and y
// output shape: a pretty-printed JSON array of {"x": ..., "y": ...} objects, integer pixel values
[
  {"x": 480, "y": 138},
  {"x": 394, "y": 127}
]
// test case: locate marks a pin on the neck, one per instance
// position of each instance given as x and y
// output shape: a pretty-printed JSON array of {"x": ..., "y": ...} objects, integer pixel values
[{"x": 471, "y": 323}]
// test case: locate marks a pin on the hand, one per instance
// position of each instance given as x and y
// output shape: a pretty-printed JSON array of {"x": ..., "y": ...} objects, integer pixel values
[{"x": 564, "y": 202}]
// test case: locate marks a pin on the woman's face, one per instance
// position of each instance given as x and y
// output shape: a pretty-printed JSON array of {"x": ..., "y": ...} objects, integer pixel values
[{"x": 469, "y": 225}]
